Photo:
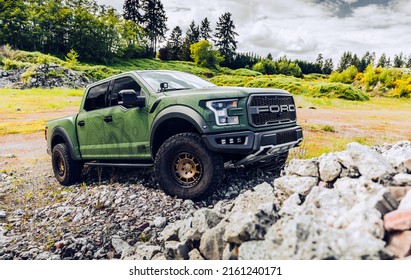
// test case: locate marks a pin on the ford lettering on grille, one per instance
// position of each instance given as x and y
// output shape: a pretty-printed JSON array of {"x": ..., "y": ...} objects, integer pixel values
[{"x": 271, "y": 109}]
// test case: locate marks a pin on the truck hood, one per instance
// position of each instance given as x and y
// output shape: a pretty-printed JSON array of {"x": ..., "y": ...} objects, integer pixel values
[{"x": 222, "y": 92}]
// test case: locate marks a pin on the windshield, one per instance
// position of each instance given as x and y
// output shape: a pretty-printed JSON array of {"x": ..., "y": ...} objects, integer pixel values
[{"x": 174, "y": 81}]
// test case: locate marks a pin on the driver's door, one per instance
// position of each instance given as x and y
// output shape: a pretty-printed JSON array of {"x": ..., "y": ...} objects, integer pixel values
[{"x": 127, "y": 134}]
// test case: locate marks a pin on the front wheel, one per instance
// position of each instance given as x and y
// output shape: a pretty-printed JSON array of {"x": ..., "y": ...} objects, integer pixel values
[
  {"x": 66, "y": 170},
  {"x": 186, "y": 168}
]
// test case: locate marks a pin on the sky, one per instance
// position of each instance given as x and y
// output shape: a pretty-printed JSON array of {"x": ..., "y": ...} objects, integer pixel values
[{"x": 302, "y": 29}]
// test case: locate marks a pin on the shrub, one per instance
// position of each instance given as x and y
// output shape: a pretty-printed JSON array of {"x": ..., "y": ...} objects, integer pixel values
[
  {"x": 204, "y": 54},
  {"x": 337, "y": 90},
  {"x": 72, "y": 58},
  {"x": 13, "y": 64},
  {"x": 28, "y": 74},
  {"x": 265, "y": 66},
  {"x": 347, "y": 76}
]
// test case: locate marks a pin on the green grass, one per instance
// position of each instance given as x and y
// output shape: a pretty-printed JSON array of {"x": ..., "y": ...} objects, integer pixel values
[
  {"x": 313, "y": 86},
  {"x": 27, "y": 111}
]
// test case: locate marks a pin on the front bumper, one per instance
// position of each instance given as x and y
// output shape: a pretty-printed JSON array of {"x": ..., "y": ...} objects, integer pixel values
[{"x": 255, "y": 146}]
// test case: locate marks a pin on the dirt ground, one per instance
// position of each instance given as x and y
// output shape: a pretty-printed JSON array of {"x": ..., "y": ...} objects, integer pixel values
[{"x": 22, "y": 150}]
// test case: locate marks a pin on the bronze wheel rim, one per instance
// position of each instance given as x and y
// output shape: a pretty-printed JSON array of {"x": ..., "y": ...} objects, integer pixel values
[
  {"x": 187, "y": 169},
  {"x": 60, "y": 167}
]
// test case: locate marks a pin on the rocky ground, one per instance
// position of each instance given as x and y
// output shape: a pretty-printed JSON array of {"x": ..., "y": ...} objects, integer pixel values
[
  {"x": 43, "y": 76},
  {"x": 354, "y": 204}
]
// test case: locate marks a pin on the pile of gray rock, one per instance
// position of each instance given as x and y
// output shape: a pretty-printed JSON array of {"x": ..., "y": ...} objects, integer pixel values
[
  {"x": 96, "y": 220},
  {"x": 331, "y": 207},
  {"x": 44, "y": 76}
]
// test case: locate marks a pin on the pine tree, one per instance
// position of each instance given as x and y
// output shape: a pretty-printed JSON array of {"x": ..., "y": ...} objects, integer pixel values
[
  {"x": 382, "y": 62},
  {"x": 205, "y": 30},
  {"x": 270, "y": 56},
  {"x": 367, "y": 59},
  {"x": 154, "y": 22},
  {"x": 328, "y": 66},
  {"x": 132, "y": 11},
  {"x": 399, "y": 60},
  {"x": 345, "y": 61},
  {"x": 192, "y": 37},
  {"x": 408, "y": 63},
  {"x": 174, "y": 44},
  {"x": 225, "y": 38},
  {"x": 320, "y": 61}
]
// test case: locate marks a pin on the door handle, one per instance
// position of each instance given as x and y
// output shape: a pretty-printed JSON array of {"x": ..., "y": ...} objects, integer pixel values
[
  {"x": 108, "y": 119},
  {"x": 81, "y": 123}
]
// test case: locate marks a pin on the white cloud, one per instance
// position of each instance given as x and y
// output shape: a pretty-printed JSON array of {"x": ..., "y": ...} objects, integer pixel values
[{"x": 302, "y": 28}]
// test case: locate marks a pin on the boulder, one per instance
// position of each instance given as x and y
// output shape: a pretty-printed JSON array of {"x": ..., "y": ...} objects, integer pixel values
[
  {"x": 329, "y": 168},
  {"x": 250, "y": 226},
  {"x": 175, "y": 250},
  {"x": 195, "y": 255},
  {"x": 204, "y": 219},
  {"x": 140, "y": 251},
  {"x": 304, "y": 168},
  {"x": 119, "y": 245},
  {"x": 398, "y": 220},
  {"x": 402, "y": 179},
  {"x": 405, "y": 202},
  {"x": 400, "y": 244},
  {"x": 295, "y": 184},
  {"x": 370, "y": 163},
  {"x": 212, "y": 244},
  {"x": 250, "y": 200}
]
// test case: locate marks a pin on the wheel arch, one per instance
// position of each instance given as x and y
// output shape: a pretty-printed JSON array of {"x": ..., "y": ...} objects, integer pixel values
[
  {"x": 61, "y": 136},
  {"x": 174, "y": 120}
]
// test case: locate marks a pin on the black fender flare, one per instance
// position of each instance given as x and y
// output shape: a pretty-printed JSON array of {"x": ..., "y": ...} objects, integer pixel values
[
  {"x": 59, "y": 131},
  {"x": 180, "y": 112}
]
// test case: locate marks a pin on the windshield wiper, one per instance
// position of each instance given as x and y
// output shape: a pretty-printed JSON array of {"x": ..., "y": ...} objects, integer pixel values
[{"x": 174, "y": 89}]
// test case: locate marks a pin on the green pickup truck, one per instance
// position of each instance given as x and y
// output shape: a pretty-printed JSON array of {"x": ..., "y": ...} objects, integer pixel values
[{"x": 187, "y": 128}]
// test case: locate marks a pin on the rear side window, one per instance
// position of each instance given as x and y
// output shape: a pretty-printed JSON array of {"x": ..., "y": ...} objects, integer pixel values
[
  {"x": 121, "y": 84},
  {"x": 96, "y": 98}
]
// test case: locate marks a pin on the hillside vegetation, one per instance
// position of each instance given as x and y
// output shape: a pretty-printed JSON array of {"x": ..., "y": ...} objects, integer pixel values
[{"x": 348, "y": 84}]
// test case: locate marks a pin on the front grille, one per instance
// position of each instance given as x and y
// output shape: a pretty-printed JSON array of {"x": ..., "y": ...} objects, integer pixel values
[
  {"x": 265, "y": 110},
  {"x": 286, "y": 137}
]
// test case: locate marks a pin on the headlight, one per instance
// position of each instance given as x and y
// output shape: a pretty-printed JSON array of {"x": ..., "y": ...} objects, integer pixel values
[{"x": 219, "y": 107}]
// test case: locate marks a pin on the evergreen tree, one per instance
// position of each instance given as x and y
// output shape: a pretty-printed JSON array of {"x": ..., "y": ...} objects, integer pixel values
[
  {"x": 205, "y": 30},
  {"x": 345, "y": 61},
  {"x": 320, "y": 61},
  {"x": 270, "y": 56},
  {"x": 408, "y": 63},
  {"x": 174, "y": 44},
  {"x": 132, "y": 11},
  {"x": 328, "y": 66},
  {"x": 367, "y": 59},
  {"x": 382, "y": 62},
  {"x": 399, "y": 60},
  {"x": 192, "y": 37},
  {"x": 154, "y": 22},
  {"x": 225, "y": 38}
]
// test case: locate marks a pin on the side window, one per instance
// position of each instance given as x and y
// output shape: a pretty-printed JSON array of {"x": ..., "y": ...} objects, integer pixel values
[
  {"x": 96, "y": 98},
  {"x": 121, "y": 84}
]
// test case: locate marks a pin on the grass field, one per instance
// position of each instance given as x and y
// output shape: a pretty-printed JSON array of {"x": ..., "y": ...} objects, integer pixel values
[
  {"x": 27, "y": 111},
  {"x": 329, "y": 124}
]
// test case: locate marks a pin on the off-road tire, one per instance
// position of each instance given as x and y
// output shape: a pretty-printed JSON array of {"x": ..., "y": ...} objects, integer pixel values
[
  {"x": 186, "y": 168},
  {"x": 66, "y": 170}
]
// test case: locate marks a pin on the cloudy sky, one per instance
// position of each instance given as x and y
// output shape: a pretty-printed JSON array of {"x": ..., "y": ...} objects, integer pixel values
[{"x": 303, "y": 28}]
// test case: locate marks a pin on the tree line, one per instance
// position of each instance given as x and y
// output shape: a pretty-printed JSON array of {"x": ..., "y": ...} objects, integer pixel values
[{"x": 99, "y": 33}]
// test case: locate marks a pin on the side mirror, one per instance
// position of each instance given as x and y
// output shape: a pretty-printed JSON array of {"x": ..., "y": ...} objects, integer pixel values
[{"x": 129, "y": 99}]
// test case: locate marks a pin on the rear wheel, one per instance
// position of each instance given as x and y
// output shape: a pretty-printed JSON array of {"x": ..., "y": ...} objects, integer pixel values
[
  {"x": 66, "y": 170},
  {"x": 186, "y": 168}
]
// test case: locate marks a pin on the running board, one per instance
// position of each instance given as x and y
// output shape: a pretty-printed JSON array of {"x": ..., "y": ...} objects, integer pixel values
[{"x": 123, "y": 165}]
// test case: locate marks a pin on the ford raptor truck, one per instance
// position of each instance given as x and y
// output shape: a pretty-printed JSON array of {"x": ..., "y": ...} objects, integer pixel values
[{"x": 187, "y": 128}]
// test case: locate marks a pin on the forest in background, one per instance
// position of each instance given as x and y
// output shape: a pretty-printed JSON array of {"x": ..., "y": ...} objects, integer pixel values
[{"x": 82, "y": 35}]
